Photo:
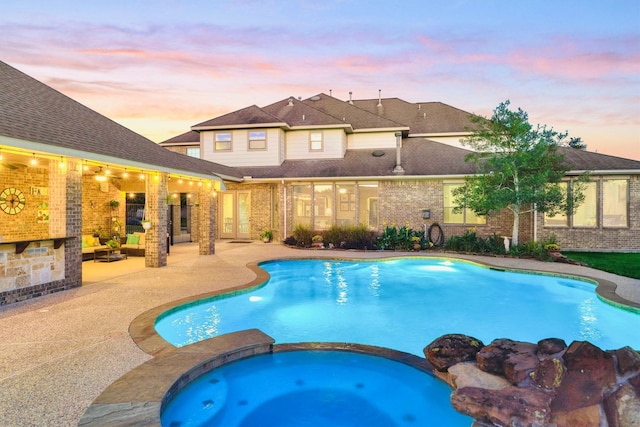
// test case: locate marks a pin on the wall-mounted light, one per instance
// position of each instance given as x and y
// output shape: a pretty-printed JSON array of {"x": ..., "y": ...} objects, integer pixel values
[
  {"x": 34, "y": 161},
  {"x": 100, "y": 176},
  {"x": 125, "y": 174},
  {"x": 426, "y": 213},
  {"x": 61, "y": 164},
  {"x": 0, "y": 155}
]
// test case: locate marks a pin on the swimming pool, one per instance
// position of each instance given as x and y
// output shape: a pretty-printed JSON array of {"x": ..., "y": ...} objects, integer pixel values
[
  {"x": 314, "y": 388},
  {"x": 405, "y": 304}
]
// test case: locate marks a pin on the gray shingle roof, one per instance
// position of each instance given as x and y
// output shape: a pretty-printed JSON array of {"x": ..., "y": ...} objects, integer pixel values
[
  {"x": 247, "y": 116},
  {"x": 422, "y": 117},
  {"x": 419, "y": 157},
  {"x": 188, "y": 137},
  {"x": 588, "y": 160},
  {"x": 297, "y": 113},
  {"x": 32, "y": 111}
]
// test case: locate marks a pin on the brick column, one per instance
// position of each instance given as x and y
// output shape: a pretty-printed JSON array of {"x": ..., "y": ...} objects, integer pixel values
[
  {"x": 156, "y": 212},
  {"x": 206, "y": 220},
  {"x": 65, "y": 217}
]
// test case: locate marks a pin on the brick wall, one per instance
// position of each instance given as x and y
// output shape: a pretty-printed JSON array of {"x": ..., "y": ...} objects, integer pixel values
[
  {"x": 96, "y": 213},
  {"x": 600, "y": 238}
]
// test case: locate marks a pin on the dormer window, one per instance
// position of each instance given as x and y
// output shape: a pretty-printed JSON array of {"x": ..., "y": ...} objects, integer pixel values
[
  {"x": 315, "y": 141},
  {"x": 223, "y": 141},
  {"x": 257, "y": 140}
]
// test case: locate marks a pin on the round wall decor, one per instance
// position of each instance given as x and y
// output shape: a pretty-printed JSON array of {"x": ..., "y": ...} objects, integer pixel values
[{"x": 12, "y": 201}]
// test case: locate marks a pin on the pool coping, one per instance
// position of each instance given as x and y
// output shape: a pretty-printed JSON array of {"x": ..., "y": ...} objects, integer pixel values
[
  {"x": 142, "y": 328},
  {"x": 138, "y": 397}
]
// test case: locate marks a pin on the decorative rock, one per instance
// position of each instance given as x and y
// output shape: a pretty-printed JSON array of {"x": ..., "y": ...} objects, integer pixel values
[
  {"x": 512, "y": 358},
  {"x": 510, "y": 406},
  {"x": 623, "y": 408},
  {"x": 590, "y": 371},
  {"x": 628, "y": 360},
  {"x": 548, "y": 373},
  {"x": 451, "y": 349},
  {"x": 589, "y": 416},
  {"x": 551, "y": 346},
  {"x": 468, "y": 375}
]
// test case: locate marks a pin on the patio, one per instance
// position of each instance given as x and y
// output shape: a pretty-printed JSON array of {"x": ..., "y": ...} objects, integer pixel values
[{"x": 61, "y": 351}]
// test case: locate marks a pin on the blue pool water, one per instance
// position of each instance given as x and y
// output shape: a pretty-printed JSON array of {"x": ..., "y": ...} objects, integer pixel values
[
  {"x": 405, "y": 304},
  {"x": 314, "y": 388}
]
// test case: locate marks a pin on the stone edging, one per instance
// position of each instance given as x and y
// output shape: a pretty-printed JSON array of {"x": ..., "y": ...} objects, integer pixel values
[
  {"x": 142, "y": 328},
  {"x": 137, "y": 398}
]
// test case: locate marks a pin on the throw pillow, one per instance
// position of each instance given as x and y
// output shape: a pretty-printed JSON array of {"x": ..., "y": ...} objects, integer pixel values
[{"x": 132, "y": 239}]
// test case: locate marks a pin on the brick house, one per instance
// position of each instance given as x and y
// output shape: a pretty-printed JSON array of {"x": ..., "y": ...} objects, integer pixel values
[
  {"x": 322, "y": 161},
  {"x": 61, "y": 167}
]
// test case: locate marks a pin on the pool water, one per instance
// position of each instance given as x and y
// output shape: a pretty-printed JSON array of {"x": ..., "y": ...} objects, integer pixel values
[
  {"x": 405, "y": 304},
  {"x": 314, "y": 388}
]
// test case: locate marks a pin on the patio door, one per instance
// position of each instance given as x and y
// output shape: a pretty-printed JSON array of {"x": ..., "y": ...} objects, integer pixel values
[{"x": 235, "y": 209}]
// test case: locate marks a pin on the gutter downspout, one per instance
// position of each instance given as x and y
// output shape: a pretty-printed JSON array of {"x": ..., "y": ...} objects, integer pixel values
[
  {"x": 398, "y": 169},
  {"x": 285, "y": 210}
]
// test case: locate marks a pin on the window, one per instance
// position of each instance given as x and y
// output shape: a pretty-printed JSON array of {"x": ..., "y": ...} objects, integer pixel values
[
  {"x": 614, "y": 202},
  {"x": 586, "y": 214},
  {"x": 193, "y": 152},
  {"x": 560, "y": 219},
  {"x": 315, "y": 141},
  {"x": 466, "y": 216},
  {"x": 223, "y": 141},
  {"x": 614, "y": 206},
  {"x": 257, "y": 140}
]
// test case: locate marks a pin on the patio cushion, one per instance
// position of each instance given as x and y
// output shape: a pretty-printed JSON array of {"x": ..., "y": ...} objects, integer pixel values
[{"x": 133, "y": 239}]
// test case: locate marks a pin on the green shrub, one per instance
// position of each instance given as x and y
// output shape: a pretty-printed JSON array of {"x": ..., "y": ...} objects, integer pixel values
[
  {"x": 401, "y": 239},
  {"x": 303, "y": 235}
]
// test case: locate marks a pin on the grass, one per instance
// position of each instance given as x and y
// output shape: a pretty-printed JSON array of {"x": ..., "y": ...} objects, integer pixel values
[{"x": 622, "y": 264}]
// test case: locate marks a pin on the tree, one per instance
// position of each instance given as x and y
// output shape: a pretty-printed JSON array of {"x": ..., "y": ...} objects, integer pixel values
[{"x": 519, "y": 168}]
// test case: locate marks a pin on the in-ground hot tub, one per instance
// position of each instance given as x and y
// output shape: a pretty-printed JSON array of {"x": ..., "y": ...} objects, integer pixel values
[{"x": 313, "y": 388}]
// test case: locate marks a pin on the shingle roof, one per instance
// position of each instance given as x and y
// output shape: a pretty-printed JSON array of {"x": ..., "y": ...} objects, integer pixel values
[
  {"x": 422, "y": 117},
  {"x": 32, "y": 111},
  {"x": 580, "y": 160},
  {"x": 297, "y": 113},
  {"x": 352, "y": 114},
  {"x": 419, "y": 157},
  {"x": 189, "y": 137},
  {"x": 246, "y": 116}
]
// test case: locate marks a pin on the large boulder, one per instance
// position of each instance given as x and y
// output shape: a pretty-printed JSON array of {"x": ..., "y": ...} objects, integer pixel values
[
  {"x": 510, "y": 406},
  {"x": 590, "y": 372},
  {"x": 548, "y": 373},
  {"x": 551, "y": 346},
  {"x": 451, "y": 349},
  {"x": 513, "y": 359}
]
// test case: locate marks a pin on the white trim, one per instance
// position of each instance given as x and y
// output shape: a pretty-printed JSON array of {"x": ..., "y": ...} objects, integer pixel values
[
  {"x": 245, "y": 126},
  {"x": 432, "y": 134},
  {"x": 370, "y": 130}
]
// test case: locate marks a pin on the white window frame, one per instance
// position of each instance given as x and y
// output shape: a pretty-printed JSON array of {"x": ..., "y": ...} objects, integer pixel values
[
  {"x": 312, "y": 141},
  {"x": 192, "y": 149}
]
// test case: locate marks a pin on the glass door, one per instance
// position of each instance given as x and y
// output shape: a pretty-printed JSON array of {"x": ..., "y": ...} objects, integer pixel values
[{"x": 235, "y": 212}]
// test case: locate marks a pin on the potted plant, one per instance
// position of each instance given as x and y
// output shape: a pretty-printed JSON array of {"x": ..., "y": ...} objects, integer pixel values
[
  {"x": 114, "y": 204},
  {"x": 417, "y": 245},
  {"x": 146, "y": 224},
  {"x": 266, "y": 236}
]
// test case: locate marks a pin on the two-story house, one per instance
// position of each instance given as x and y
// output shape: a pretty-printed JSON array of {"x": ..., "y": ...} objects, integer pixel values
[{"x": 322, "y": 161}]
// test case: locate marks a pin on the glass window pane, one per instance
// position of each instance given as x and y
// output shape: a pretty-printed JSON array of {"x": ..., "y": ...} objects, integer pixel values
[
  {"x": 472, "y": 218},
  {"x": 193, "y": 152},
  {"x": 315, "y": 141},
  {"x": 302, "y": 205},
  {"x": 346, "y": 204},
  {"x": 453, "y": 218},
  {"x": 257, "y": 140},
  {"x": 614, "y": 203},
  {"x": 368, "y": 204},
  {"x": 559, "y": 220},
  {"x": 449, "y": 205},
  {"x": 322, "y": 206},
  {"x": 586, "y": 215},
  {"x": 223, "y": 141}
]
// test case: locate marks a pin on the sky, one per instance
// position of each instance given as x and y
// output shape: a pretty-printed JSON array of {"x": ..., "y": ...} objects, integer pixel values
[{"x": 159, "y": 67}]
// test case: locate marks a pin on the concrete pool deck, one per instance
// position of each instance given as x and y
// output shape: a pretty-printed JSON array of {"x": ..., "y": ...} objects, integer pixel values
[{"x": 59, "y": 352}]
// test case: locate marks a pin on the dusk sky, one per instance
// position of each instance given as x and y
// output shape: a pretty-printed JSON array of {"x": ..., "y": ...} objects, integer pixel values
[{"x": 159, "y": 67}]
